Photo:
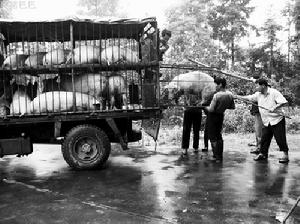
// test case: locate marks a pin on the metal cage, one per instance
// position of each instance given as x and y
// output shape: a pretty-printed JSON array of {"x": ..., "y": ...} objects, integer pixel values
[{"x": 77, "y": 66}]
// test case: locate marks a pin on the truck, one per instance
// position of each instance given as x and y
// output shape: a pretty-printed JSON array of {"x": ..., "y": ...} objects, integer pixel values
[{"x": 77, "y": 82}]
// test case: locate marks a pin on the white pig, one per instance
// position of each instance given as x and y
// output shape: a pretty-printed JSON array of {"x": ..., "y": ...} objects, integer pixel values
[
  {"x": 116, "y": 55},
  {"x": 200, "y": 83},
  {"x": 14, "y": 61},
  {"x": 117, "y": 91},
  {"x": 85, "y": 54},
  {"x": 56, "y": 57},
  {"x": 20, "y": 104},
  {"x": 59, "y": 101},
  {"x": 35, "y": 60},
  {"x": 89, "y": 83}
]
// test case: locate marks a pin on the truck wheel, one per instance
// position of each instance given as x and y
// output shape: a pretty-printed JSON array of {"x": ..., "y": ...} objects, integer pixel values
[{"x": 86, "y": 147}]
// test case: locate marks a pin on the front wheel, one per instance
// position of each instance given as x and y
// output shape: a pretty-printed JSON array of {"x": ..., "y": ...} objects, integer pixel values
[{"x": 86, "y": 147}]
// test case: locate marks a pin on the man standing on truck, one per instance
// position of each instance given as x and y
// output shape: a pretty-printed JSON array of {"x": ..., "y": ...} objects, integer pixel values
[
  {"x": 2, "y": 49},
  {"x": 163, "y": 46}
]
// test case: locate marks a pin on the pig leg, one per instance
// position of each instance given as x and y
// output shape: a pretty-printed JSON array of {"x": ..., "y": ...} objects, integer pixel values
[
  {"x": 124, "y": 101},
  {"x": 112, "y": 102}
]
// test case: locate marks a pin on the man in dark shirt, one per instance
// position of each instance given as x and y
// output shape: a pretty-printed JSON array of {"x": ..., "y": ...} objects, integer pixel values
[{"x": 221, "y": 101}]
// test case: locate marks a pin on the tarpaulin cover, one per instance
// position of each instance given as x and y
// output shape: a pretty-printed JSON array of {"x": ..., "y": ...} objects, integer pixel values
[{"x": 83, "y": 29}]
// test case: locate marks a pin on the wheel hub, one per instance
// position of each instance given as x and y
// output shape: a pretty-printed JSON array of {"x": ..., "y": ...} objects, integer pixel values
[{"x": 86, "y": 148}]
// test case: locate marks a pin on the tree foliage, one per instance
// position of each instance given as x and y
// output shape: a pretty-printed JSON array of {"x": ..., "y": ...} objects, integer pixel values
[
  {"x": 4, "y": 9},
  {"x": 190, "y": 33},
  {"x": 228, "y": 19},
  {"x": 98, "y": 8}
]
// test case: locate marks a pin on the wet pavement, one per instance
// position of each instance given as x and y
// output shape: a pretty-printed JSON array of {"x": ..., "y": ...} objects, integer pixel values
[{"x": 143, "y": 186}]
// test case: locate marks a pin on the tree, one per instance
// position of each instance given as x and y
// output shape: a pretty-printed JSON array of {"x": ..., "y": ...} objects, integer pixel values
[
  {"x": 4, "y": 9},
  {"x": 190, "y": 33},
  {"x": 289, "y": 13},
  {"x": 270, "y": 29},
  {"x": 98, "y": 8},
  {"x": 228, "y": 19}
]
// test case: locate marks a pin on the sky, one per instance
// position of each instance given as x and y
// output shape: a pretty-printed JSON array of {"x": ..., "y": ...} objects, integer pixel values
[{"x": 51, "y": 9}]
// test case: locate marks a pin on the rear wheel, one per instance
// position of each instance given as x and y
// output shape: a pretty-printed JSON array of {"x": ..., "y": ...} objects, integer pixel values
[{"x": 86, "y": 147}]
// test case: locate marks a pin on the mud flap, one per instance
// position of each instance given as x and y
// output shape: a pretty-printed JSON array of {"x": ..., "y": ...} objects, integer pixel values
[
  {"x": 151, "y": 127},
  {"x": 116, "y": 131}
]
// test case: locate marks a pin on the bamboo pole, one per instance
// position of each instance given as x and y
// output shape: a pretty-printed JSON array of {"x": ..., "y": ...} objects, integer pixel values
[
  {"x": 220, "y": 71},
  {"x": 291, "y": 210},
  {"x": 248, "y": 101}
]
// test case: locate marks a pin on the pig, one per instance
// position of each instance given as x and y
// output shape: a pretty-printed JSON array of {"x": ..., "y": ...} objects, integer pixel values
[
  {"x": 200, "y": 83},
  {"x": 88, "y": 83},
  {"x": 130, "y": 56},
  {"x": 117, "y": 91},
  {"x": 20, "y": 104},
  {"x": 14, "y": 61},
  {"x": 56, "y": 57},
  {"x": 60, "y": 101},
  {"x": 35, "y": 60},
  {"x": 115, "y": 55},
  {"x": 85, "y": 54},
  {"x": 111, "y": 89},
  {"x": 4, "y": 106}
]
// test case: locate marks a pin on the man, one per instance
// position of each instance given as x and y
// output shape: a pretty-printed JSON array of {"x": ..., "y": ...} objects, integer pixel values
[
  {"x": 254, "y": 111},
  {"x": 205, "y": 135},
  {"x": 270, "y": 103},
  {"x": 163, "y": 46},
  {"x": 2, "y": 49},
  {"x": 191, "y": 118},
  {"x": 221, "y": 101}
]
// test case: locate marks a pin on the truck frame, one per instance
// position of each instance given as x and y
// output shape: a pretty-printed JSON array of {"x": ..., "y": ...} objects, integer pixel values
[{"x": 47, "y": 97}]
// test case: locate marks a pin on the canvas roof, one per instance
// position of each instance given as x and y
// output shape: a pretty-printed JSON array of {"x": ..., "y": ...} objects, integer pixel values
[{"x": 83, "y": 29}]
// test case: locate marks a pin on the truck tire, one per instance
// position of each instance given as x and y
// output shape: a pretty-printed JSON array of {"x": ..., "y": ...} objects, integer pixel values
[{"x": 86, "y": 147}]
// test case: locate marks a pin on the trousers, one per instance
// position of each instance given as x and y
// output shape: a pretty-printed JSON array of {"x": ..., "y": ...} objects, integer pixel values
[
  {"x": 191, "y": 118},
  {"x": 258, "y": 129},
  {"x": 279, "y": 132}
]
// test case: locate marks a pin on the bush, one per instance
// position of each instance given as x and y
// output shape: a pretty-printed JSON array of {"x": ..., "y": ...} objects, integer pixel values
[
  {"x": 293, "y": 124},
  {"x": 235, "y": 121},
  {"x": 238, "y": 120}
]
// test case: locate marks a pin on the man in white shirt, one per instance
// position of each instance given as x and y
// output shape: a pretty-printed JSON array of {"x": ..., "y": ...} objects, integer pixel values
[{"x": 270, "y": 102}]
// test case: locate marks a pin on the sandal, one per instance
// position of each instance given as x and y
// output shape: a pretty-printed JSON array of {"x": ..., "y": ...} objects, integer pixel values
[
  {"x": 184, "y": 152},
  {"x": 255, "y": 151},
  {"x": 260, "y": 157},
  {"x": 284, "y": 160}
]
